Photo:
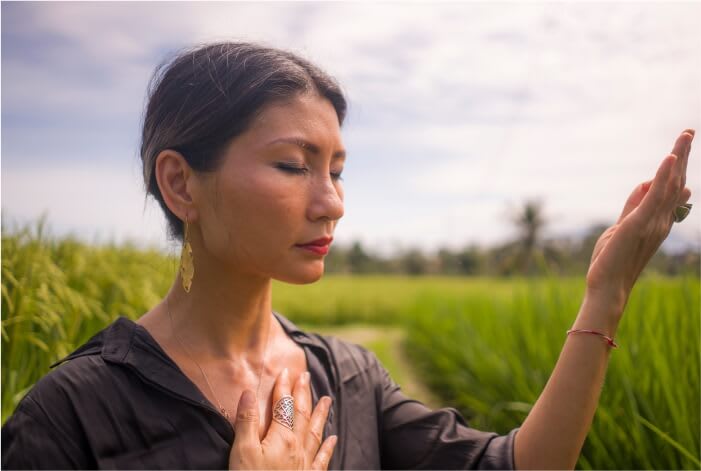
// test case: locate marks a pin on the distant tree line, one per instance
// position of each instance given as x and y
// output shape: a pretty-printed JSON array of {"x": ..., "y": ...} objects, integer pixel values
[{"x": 529, "y": 254}]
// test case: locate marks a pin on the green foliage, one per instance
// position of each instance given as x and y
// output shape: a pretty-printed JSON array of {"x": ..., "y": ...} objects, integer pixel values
[
  {"x": 375, "y": 299},
  {"x": 484, "y": 345},
  {"x": 57, "y": 293},
  {"x": 491, "y": 356},
  {"x": 553, "y": 257}
]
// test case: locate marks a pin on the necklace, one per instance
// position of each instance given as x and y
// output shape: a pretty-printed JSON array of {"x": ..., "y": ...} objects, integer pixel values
[{"x": 224, "y": 412}]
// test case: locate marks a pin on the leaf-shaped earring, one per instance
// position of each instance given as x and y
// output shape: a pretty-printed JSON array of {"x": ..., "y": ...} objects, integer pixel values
[{"x": 187, "y": 266}]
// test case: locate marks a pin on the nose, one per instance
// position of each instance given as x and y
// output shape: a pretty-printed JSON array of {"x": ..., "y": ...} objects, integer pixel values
[{"x": 326, "y": 200}]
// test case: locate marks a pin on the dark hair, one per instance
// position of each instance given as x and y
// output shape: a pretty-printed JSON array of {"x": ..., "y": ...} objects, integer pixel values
[{"x": 205, "y": 96}]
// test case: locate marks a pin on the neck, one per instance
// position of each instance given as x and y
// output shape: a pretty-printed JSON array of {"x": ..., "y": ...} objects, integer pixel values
[{"x": 225, "y": 315}]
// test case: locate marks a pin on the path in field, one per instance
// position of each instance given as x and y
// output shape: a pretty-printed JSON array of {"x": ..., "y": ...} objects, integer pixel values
[{"x": 386, "y": 343}]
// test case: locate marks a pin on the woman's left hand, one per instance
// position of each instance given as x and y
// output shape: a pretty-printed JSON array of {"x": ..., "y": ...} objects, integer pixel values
[{"x": 624, "y": 249}]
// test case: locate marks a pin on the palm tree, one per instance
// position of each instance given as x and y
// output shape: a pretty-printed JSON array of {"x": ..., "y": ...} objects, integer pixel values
[{"x": 530, "y": 223}]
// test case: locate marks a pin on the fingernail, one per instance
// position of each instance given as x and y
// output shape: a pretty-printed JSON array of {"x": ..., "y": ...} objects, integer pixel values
[
  {"x": 248, "y": 398},
  {"x": 307, "y": 377},
  {"x": 334, "y": 439},
  {"x": 327, "y": 401}
]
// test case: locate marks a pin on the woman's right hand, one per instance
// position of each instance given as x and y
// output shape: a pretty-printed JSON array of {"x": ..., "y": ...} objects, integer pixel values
[{"x": 283, "y": 448}]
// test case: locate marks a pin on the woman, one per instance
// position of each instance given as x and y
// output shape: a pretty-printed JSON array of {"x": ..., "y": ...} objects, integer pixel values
[{"x": 242, "y": 149}]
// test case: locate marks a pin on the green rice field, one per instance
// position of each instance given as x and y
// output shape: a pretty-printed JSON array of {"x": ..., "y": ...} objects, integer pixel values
[{"x": 484, "y": 346}]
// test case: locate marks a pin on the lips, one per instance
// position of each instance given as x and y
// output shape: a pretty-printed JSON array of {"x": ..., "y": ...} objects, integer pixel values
[
  {"x": 318, "y": 246},
  {"x": 318, "y": 242}
]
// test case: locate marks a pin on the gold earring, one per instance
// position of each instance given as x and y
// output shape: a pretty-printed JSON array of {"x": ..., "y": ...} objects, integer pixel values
[{"x": 187, "y": 266}]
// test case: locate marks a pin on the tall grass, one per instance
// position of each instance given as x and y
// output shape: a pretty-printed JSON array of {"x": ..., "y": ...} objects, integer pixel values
[
  {"x": 57, "y": 293},
  {"x": 486, "y": 346},
  {"x": 491, "y": 357}
]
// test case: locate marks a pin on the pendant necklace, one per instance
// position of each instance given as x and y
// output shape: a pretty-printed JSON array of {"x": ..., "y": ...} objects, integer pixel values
[{"x": 223, "y": 411}]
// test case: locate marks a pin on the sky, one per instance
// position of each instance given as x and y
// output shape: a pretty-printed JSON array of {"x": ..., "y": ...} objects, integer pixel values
[{"x": 458, "y": 112}]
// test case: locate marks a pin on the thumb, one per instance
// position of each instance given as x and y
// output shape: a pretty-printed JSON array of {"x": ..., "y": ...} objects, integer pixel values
[{"x": 247, "y": 421}]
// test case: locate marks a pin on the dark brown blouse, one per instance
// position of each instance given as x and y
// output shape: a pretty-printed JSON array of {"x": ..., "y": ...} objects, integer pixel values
[{"x": 121, "y": 402}]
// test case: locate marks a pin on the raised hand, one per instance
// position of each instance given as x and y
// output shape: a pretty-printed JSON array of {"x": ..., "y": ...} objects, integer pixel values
[
  {"x": 282, "y": 447},
  {"x": 624, "y": 249}
]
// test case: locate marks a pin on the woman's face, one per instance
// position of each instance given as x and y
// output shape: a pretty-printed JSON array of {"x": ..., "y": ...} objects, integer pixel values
[{"x": 278, "y": 187}]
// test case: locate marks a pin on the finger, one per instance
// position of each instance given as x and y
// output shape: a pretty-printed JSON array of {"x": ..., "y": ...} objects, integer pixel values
[
  {"x": 278, "y": 430},
  {"x": 323, "y": 457},
  {"x": 682, "y": 142},
  {"x": 635, "y": 198},
  {"x": 316, "y": 426},
  {"x": 656, "y": 195},
  {"x": 247, "y": 420},
  {"x": 684, "y": 196},
  {"x": 681, "y": 149},
  {"x": 685, "y": 161},
  {"x": 303, "y": 406}
]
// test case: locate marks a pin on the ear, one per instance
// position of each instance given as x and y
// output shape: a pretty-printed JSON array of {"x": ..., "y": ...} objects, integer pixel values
[{"x": 176, "y": 179}]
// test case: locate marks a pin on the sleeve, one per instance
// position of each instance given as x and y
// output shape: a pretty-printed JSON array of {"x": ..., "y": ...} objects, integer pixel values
[
  {"x": 31, "y": 440},
  {"x": 416, "y": 437}
]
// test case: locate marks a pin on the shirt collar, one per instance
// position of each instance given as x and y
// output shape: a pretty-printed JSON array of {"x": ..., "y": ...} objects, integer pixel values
[{"x": 127, "y": 343}]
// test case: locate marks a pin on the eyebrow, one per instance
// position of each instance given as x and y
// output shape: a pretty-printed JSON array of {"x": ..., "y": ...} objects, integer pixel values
[{"x": 307, "y": 146}]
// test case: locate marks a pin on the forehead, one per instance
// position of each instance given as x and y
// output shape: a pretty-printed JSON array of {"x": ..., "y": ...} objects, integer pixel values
[{"x": 308, "y": 116}]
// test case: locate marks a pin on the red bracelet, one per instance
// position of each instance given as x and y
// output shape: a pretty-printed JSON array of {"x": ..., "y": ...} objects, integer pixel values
[{"x": 609, "y": 340}]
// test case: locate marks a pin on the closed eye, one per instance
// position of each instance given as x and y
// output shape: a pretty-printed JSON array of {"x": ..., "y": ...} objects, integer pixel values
[
  {"x": 336, "y": 176},
  {"x": 293, "y": 169}
]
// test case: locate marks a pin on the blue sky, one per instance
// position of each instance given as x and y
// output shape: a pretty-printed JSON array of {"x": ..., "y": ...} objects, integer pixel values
[{"x": 458, "y": 111}]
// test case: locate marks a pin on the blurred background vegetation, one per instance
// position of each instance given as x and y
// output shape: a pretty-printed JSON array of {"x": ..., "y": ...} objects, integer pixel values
[{"x": 530, "y": 253}]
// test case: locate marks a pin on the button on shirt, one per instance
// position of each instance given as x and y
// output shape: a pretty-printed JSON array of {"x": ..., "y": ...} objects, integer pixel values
[{"x": 119, "y": 401}]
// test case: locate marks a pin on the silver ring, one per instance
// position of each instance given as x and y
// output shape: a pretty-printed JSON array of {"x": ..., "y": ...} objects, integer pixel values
[
  {"x": 284, "y": 412},
  {"x": 681, "y": 212}
]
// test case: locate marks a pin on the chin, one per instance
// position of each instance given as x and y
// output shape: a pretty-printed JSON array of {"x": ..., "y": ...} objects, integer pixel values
[{"x": 303, "y": 277}]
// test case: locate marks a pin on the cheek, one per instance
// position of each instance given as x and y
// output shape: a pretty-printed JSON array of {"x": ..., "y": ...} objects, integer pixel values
[
  {"x": 273, "y": 199},
  {"x": 262, "y": 212},
  {"x": 271, "y": 189},
  {"x": 258, "y": 213}
]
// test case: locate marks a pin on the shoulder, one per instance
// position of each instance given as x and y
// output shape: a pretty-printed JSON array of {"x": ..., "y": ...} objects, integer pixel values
[
  {"x": 49, "y": 417},
  {"x": 74, "y": 381},
  {"x": 77, "y": 378},
  {"x": 54, "y": 402}
]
